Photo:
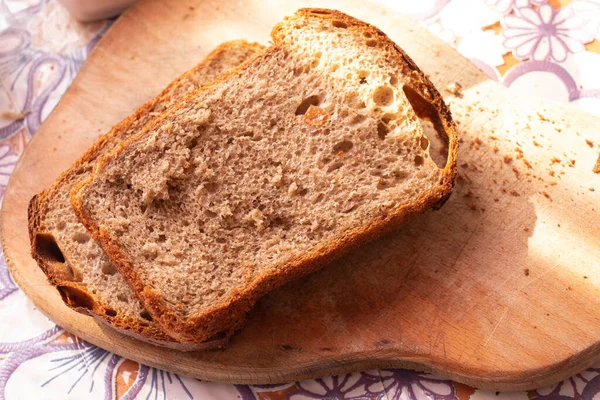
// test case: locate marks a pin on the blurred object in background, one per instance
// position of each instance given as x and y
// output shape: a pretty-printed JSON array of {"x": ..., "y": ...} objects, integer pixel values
[{"x": 93, "y": 10}]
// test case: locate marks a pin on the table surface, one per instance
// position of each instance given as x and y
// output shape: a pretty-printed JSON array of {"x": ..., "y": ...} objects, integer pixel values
[{"x": 545, "y": 48}]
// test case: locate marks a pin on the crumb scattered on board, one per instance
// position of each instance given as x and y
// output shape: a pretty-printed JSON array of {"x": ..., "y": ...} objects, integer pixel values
[
  {"x": 541, "y": 117},
  {"x": 454, "y": 88},
  {"x": 546, "y": 195}
]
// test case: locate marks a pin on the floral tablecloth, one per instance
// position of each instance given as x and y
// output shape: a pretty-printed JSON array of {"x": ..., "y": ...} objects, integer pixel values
[{"x": 548, "y": 48}]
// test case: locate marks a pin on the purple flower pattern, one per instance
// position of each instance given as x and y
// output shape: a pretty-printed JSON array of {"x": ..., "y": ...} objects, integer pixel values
[
  {"x": 348, "y": 387},
  {"x": 582, "y": 386},
  {"x": 35, "y": 73},
  {"x": 7, "y": 286},
  {"x": 506, "y": 6},
  {"x": 544, "y": 33},
  {"x": 400, "y": 384},
  {"x": 8, "y": 159}
]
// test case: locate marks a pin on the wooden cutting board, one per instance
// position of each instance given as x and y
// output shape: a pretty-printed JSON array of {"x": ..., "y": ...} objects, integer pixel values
[{"x": 498, "y": 289}]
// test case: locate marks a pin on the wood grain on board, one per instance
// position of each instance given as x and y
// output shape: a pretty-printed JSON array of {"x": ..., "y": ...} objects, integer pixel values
[{"x": 498, "y": 289}]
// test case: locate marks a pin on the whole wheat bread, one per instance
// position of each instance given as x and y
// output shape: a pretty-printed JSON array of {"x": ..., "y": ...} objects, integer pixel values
[
  {"x": 74, "y": 262},
  {"x": 276, "y": 168}
]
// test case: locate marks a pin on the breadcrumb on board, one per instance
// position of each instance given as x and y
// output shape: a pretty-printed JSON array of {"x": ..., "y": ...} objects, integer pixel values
[
  {"x": 596, "y": 169},
  {"x": 455, "y": 89}
]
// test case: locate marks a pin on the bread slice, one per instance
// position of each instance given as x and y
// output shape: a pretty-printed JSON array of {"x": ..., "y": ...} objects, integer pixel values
[
  {"x": 275, "y": 169},
  {"x": 72, "y": 261}
]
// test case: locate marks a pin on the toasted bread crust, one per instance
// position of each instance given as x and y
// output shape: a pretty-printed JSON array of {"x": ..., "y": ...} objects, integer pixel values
[
  {"x": 58, "y": 275},
  {"x": 200, "y": 327}
]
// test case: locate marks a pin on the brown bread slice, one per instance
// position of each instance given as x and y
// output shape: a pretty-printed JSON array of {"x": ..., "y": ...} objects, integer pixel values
[
  {"x": 74, "y": 262},
  {"x": 278, "y": 167}
]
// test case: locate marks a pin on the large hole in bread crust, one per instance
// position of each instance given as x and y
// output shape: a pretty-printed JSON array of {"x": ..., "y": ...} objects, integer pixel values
[
  {"x": 432, "y": 126},
  {"x": 76, "y": 297},
  {"x": 47, "y": 249},
  {"x": 313, "y": 100},
  {"x": 46, "y": 246},
  {"x": 146, "y": 315}
]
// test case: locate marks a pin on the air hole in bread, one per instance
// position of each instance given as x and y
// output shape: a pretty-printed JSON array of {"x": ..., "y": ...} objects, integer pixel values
[
  {"x": 335, "y": 166},
  {"x": 344, "y": 146},
  {"x": 350, "y": 208},
  {"x": 419, "y": 160},
  {"x": 146, "y": 315},
  {"x": 81, "y": 237},
  {"x": 432, "y": 125},
  {"x": 221, "y": 240},
  {"x": 46, "y": 246},
  {"x": 193, "y": 143},
  {"x": 357, "y": 119},
  {"x": 108, "y": 268},
  {"x": 211, "y": 187},
  {"x": 383, "y": 184},
  {"x": 362, "y": 77},
  {"x": 372, "y": 43},
  {"x": 382, "y": 130},
  {"x": 61, "y": 225},
  {"x": 393, "y": 80},
  {"x": 340, "y": 24},
  {"x": 301, "y": 70},
  {"x": 210, "y": 214},
  {"x": 399, "y": 175},
  {"x": 122, "y": 297},
  {"x": 313, "y": 100},
  {"x": 76, "y": 297},
  {"x": 162, "y": 238},
  {"x": 110, "y": 312},
  {"x": 424, "y": 143},
  {"x": 383, "y": 96},
  {"x": 367, "y": 35}
]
